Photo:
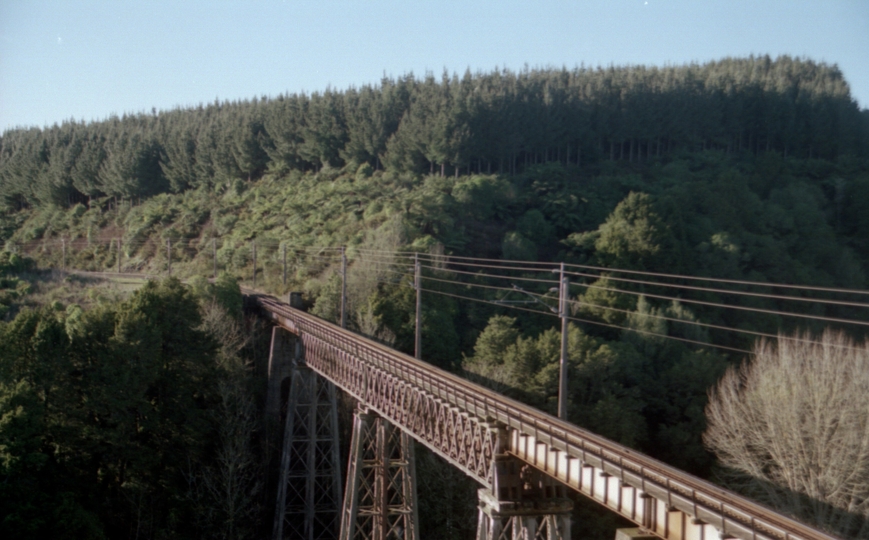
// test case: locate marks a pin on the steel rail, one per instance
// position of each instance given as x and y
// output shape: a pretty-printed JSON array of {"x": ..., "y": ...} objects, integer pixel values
[{"x": 459, "y": 413}]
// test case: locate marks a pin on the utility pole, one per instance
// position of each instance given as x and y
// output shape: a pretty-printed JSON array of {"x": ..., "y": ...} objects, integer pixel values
[
  {"x": 343, "y": 287},
  {"x": 563, "y": 291},
  {"x": 417, "y": 283}
]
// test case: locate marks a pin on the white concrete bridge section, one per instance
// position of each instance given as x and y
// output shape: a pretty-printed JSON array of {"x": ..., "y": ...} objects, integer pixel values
[{"x": 474, "y": 428}]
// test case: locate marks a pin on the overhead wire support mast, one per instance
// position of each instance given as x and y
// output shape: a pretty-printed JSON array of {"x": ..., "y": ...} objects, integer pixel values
[
  {"x": 417, "y": 283},
  {"x": 343, "y": 287},
  {"x": 563, "y": 303},
  {"x": 562, "y": 312}
]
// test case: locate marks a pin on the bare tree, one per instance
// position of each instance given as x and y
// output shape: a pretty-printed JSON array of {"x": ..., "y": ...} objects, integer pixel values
[
  {"x": 228, "y": 490},
  {"x": 367, "y": 273},
  {"x": 371, "y": 325},
  {"x": 232, "y": 485},
  {"x": 791, "y": 429}
]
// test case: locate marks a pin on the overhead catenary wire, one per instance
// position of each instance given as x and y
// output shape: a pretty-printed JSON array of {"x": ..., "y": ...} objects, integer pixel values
[
  {"x": 665, "y": 336},
  {"x": 481, "y": 275},
  {"x": 553, "y": 266},
  {"x": 540, "y": 297},
  {"x": 476, "y": 285},
  {"x": 723, "y": 291},
  {"x": 598, "y": 323},
  {"x": 402, "y": 274},
  {"x": 684, "y": 300},
  {"x": 491, "y": 302},
  {"x": 728, "y": 306},
  {"x": 505, "y": 261},
  {"x": 321, "y": 255},
  {"x": 573, "y": 302},
  {"x": 387, "y": 262},
  {"x": 722, "y": 280},
  {"x": 406, "y": 254},
  {"x": 324, "y": 256},
  {"x": 675, "y": 276},
  {"x": 447, "y": 262},
  {"x": 502, "y": 264},
  {"x": 698, "y": 323},
  {"x": 682, "y": 321}
]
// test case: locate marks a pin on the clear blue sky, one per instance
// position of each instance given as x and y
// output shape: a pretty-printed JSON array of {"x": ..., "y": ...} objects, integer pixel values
[{"x": 89, "y": 59}]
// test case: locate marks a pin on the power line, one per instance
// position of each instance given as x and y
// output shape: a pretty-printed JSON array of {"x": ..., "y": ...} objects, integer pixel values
[
  {"x": 477, "y": 274},
  {"x": 448, "y": 261},
  {"x": 720, "y": 280},
  {"x": 576, "y": 319},
  {"x": 442, "y": 293},
  {"x": 697, "y": 323},
  {"x": 665, "y": 336},
  {"x": 476, "y": 285},
  {"x": 675, "y": 276},
  {"x": 675, "y": 320},
  {"x": 726, "y": 306},
  {"x": 327, "y": 255},
  {"x": 455, "y": 258},
  {"x": 724, "y": 291}
]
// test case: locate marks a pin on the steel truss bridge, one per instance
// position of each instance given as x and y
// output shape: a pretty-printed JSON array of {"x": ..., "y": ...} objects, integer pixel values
[{"x": 523, "y": 459}]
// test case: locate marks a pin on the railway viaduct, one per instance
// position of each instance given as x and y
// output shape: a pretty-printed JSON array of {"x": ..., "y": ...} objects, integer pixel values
[{"x": 523, "y": 459}]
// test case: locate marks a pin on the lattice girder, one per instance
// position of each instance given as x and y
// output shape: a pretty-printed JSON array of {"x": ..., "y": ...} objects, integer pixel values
[{"x": 463, "y": 440}]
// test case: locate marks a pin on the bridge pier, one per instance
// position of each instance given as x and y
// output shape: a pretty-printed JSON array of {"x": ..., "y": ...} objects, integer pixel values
[
  {"x": 308, "y": 505},
  {"x": 380, "y": 498},
  {"x": 282, "y": 357},
  {"x": 522, "y": 504},
  {"x": 523, "y": 520}
]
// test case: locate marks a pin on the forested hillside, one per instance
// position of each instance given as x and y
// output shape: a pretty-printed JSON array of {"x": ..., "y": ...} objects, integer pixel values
[
  {"x": 745, "y": 170},
  {"x": 500, "y": 122}
]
